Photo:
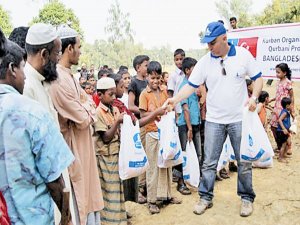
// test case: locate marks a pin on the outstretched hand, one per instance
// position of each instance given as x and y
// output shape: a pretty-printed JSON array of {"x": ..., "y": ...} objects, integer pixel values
[{"x": 169, "y": 104}]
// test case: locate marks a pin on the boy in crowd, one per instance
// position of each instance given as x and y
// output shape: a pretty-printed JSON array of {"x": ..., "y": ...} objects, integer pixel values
[
  {"x": 158, "y": 179},
  {"x": 188, "y": 123},
  {"x": 137, "y": 85}
]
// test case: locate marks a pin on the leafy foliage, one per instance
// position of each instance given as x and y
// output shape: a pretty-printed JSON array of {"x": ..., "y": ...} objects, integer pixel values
[
  {"x": 5, "y": 22},
  {"x": 56, "y": 13}
]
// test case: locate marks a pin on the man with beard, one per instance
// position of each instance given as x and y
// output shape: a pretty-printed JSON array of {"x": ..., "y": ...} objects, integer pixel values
[
  {"x": 43, "y": 48},
  {"x": 75, "y": 116}
]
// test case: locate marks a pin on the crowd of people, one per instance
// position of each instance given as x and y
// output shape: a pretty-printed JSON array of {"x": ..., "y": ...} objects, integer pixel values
[{"x": 60, "y": 131}]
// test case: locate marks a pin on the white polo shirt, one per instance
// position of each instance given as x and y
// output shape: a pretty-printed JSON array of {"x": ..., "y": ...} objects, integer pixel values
[
  {"x": 227, "y": 94},
  {"x": 174, "y": 83}
]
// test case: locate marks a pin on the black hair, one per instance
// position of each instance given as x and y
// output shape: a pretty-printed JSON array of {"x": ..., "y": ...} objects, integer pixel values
[
  {"x": 18, "y": 35},
  {"x": 34, "y": 49},
  {"x": 262, "y": 97},
  {"x": 90, "y": 76},
  {"x": 249, "y": 82},
  {"x": 84, "y": 84},
  {"x": 122, "y": 72},
  {"x": 123, "y": 68},
  {"x": 66, "y": 42},
  {"x": 188, "y": 63},
  {"x": 14, "y": 54},
  {"x": 139, "y": 59},
  {"x": 116, "y": 77},
  {"x": 221, "y": 21},
  {"x": 232, "y": 18},
  {"x": 285, "y": 101},
  {"x": 179, "y": 51},
  {"x": 105, "y": 67},
  {"x": 2, "y": 44},
  {"x": 102, "y": 72},
  {"x": 154, "y": 66},
  {"x": 164, "y": 74},
  {"x": 285, "y": 68}
]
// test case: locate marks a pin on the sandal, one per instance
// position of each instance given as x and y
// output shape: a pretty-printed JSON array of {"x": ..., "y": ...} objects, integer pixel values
[
  {"x": 174, "y": 200},
  {"x": 183, "y": 189},
  {"x": 153, "y": 208},
  {"x": 224, "y": 174}
]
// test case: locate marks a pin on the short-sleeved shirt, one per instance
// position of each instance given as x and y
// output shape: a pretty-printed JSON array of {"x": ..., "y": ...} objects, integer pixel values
[
  {"x": 227, "y": 94},
  {"x": 193, "y": 105},
  {"x": 136, "y": 87},
  {"x": 33, "y": 152},
  {"x": 149, "y": 102},
  {"x": 174, "y": 82},
  {"x": 106, "y": 117},
  {"x": 286, "y": 121}
]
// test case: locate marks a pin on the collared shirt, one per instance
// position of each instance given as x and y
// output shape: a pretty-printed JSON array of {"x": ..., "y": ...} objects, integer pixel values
[
  {"x": 227, "y": 94},
  {"x": 194, "y": 110},
  {"x": 32, "y": 153},
  {"x": 174, "y": 82},
  {"x": 149, "y": 102},
  {"x": 37, "y": 89},
  {"x": 106, "y": 118}
]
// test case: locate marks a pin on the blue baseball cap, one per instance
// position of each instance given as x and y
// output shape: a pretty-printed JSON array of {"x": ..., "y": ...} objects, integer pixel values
[{"x": 213, "y": 30}]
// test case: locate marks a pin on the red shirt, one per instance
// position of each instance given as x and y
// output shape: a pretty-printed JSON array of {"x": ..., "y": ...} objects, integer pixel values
[{"x": 96, "y": 98}]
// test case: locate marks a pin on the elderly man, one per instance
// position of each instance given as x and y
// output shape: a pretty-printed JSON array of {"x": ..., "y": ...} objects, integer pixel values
[
  {"x": 43, "y": 47},
  {"x": 223, "y": 70},
  {"x": 33, "y": 153},
  {"x": 75, "y": 116}
]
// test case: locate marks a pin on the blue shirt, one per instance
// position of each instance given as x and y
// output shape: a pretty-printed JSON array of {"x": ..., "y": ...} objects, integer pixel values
[
  {"x": 193, "y": 105},
  {"x": 32, "y": 153},
  {"x": 286, "y": 121}
]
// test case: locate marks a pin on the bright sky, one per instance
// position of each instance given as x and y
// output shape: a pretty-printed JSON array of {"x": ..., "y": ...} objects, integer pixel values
[{"x": 155, "y": 22}]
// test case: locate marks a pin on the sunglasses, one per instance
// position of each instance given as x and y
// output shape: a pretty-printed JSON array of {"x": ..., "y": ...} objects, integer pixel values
[{"x": 223, "y": 67}]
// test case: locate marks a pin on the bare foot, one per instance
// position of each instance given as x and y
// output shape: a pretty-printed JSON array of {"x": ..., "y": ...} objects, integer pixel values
[{"x": 282, "y": 160}]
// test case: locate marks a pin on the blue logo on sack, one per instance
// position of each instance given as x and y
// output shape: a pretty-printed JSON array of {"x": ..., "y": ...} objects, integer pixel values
[
  {"x": 184, "y": 161},
  {"x": 173, "y": 144},
  {"x": 137, "y": 141},
  {"x": 250, "y": 140},
  {"x": 255, "y": 158},
  {"x": 137, "y": 164},
  {"x": 177, "y": 155},
  {"x": 159, "y": 133}
]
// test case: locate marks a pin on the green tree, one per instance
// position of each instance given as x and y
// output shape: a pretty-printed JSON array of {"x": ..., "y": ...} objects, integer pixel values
[
  {"x": 56, "y": 13},
  {"x": 280, "y": 11},
  {"x": 237, "y": 8},
  {"x": 118, "y": 27},
  {"x": 5, "y": 23}
]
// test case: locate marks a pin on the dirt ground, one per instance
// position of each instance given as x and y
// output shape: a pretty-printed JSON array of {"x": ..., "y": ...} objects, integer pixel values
[{"x": 277, "y": 195}]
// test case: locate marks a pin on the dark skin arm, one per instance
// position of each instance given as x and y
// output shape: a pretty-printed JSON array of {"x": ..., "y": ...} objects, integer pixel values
[
  {"x": 108, "y": 135},
  {"x": 148, "y": 117},
  {"x": 281, "y": 118},
  {"x": 131, "y": 106},
  {"x": 188, "y": 121},
  {"x": 56, "y": 191}
]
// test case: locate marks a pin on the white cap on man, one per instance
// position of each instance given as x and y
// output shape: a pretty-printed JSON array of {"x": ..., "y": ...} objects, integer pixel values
[
  {"x": 64, "y": 31},
  {"x": 41, "y": 33}
]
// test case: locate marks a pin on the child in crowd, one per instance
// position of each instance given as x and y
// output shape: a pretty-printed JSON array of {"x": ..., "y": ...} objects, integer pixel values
[
  {"x": 284, "y": 89},
  {"x": 107, "y": 153},
  {"x": 249, "y": 87},
  {"x": 164, "y": 80},
  {"x": 158, "y": 179},
  {"x": 82, "y": 80},
  {"x": 137, "y": 85},
  {"x": 126, "y": 79},
  {"x": 87, "y": 87},
  {"x": 283, "y": 134},
  {"x": 263, "y": 100},
  {"x": 91, "y": 79},
  {"x": 188, "y": 123},
  {"x": 101, "y": 73}
]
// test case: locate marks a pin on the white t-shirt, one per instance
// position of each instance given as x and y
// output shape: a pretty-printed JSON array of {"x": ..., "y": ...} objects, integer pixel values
[
  {"x": 174, "y": 82},
  {"x": 227, "y": 94},
  {"x": 124, "y": 99}
]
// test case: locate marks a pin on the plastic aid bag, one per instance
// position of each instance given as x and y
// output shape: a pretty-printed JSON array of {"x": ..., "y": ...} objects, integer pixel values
[
  {"x": 132, "y": 156},
  {"x": 167, "y": 132},
  {"x": 255, "y": 144},
  {"x": 226, "y": 155},
  {"x": 190, "y": 166},
  {"x": 177, "y": 159}
]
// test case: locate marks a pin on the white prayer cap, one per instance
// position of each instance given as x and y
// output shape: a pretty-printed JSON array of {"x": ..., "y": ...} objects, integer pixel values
[
  {"x": 41, "y": 33},
  {"x": 105, "y": 83},
  {"x": 64, "y": 31}
]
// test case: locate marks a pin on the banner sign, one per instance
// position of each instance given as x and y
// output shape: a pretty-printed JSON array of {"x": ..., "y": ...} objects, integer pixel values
[{"x": 271, "y": 45}]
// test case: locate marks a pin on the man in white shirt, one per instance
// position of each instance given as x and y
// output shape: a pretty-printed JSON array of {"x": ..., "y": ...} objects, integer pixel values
[{"x": 223, "y": 70}]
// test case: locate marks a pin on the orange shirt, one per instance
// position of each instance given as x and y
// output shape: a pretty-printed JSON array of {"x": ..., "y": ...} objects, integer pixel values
[
  {"x": 149, "y": 102},
  {"x": 263, "y": 115}
]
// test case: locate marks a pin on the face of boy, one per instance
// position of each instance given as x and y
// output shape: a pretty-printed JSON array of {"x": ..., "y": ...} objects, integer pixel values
[
  {"x": 120, "y": 89},
  {"x": 178, "y": 61},
  {"x": 127, "y": 79},
  {"x": 189, "y": 71},
  {"x": 154, "y": 80},
  {"x": 109, "y": 96},
  {"x": 142, "y": 68},
  {"x": 88, "y": 89},
  {"x": 19, "y": 77}
]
